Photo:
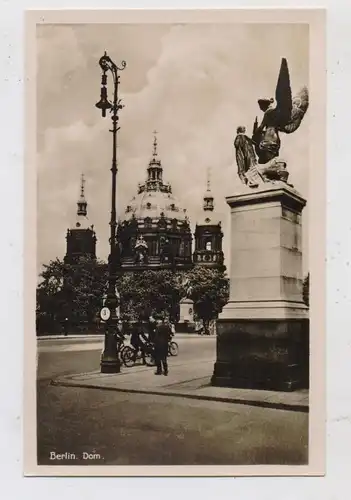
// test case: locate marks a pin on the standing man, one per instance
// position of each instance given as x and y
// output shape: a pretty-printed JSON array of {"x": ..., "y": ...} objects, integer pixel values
[
  {"x": 162, "y": 337},
  {"x": 151, "y": 328}
]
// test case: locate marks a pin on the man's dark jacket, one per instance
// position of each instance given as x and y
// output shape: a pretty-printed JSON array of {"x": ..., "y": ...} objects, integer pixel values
[{"x": 162, "y": 336}]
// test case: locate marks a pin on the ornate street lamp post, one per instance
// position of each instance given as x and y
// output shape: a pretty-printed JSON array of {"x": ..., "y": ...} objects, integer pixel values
[{"x": 109, "y": 360}]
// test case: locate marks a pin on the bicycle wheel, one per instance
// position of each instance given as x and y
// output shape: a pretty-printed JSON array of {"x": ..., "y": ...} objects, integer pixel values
[
  {"x": 128, "y": 356},
  {"x": 173, "y": 348},
  {"x": 122, "y": 351},
  {"x": 149, "y": 356},
  {"x": 149, "y": 359}
]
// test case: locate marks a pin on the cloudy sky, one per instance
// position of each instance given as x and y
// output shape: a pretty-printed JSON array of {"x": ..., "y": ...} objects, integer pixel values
[{"x": 194, "y": 83}]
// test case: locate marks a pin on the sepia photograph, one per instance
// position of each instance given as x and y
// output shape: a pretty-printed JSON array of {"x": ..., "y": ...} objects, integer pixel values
[{"x": 175, "y": 180}]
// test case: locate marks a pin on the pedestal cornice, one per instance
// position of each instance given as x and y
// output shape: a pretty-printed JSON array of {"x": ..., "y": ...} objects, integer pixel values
[{"x": 277, "y": 192}]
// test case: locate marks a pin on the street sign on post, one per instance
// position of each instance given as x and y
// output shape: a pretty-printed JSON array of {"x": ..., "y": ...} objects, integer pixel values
[{"x": 105, "y": 313}]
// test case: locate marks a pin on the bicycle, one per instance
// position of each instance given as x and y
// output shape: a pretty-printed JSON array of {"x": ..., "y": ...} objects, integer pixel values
[{"x": 130, "y": 356}]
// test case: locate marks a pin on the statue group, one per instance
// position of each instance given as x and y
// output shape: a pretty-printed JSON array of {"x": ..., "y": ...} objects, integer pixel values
[
  {"x": 141, "y": 251},
  {"x": 257, "y": 157}
]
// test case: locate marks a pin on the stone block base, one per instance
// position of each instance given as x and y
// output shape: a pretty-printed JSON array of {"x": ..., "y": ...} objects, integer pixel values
[{"x": 262, "y": 354}]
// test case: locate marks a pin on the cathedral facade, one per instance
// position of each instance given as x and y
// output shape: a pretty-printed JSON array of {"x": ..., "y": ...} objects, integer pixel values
[{"x": 154, "y": 231}]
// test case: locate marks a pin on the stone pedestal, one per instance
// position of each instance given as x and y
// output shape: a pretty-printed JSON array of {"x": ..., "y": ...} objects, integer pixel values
[{"x": 263, "y": 331}]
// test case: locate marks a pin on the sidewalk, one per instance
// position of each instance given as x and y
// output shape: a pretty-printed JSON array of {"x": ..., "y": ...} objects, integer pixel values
[
  {"x": 97, "y": 337},
  {"x": 187, "y": 380},
  {"x": 102, "y": 336},
  {"x": 93, "y": 336}
]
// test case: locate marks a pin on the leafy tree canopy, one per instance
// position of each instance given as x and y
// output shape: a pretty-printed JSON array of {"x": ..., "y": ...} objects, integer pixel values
[
  {"x": 209, "y": 290},
  {"x": 71, "y": 290},
  {"x": 75, "y": 291},
  {"x": 146, "y": 292}
]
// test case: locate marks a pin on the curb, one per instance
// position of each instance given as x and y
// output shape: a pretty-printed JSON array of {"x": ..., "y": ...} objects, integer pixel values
[{"x": 262, "y": 404}]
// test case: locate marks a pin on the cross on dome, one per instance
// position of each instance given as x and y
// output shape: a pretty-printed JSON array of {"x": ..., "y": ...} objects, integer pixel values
[
  {"x": 208, "y": 198},
  {"x": 155, "y": 144},
  {"x": 82, "y": 204},
  {"x": 82, "y": 185},
  {"x": 208, "y": 179}
]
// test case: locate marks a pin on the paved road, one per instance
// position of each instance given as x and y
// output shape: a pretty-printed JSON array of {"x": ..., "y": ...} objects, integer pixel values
[
  {"x": 132, "y": 429},
  {"x": 66, "y": 356}
]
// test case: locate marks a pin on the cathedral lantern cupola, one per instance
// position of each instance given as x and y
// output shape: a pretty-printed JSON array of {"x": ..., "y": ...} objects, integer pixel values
[
  {"x": 82, "y": 204},
  {"x": 81, "y": 238},
  {"x": 154, "y": 170},
  {"x": 208, "y": 234},
  {"x": 208, "y": 205}
]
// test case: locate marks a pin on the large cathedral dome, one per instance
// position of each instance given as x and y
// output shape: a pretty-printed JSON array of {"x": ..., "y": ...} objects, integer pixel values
[
  {"x": 151, "y": 202},
  {"x": 155, "y": 230}
]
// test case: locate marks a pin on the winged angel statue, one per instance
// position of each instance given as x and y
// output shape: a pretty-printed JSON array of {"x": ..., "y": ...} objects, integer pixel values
[{"x": 258, "y": 157}]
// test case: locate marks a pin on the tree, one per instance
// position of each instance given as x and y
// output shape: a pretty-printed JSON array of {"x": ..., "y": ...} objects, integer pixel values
[
  {"x": 75, "y": 291},
  {"x": 146, "y": 292},
  {"x": 306, "y": 290},
  {"x": 49, "y": 296},
  {"x": 70, "y": 290},
  {"x": 209, "y": 290}
]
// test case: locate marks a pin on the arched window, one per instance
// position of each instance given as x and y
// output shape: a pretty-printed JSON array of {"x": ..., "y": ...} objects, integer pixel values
[
  {"x": 148, "y": 222},
  {"x": 153, "y": 247},
  {"x": 181, "y": 248}
]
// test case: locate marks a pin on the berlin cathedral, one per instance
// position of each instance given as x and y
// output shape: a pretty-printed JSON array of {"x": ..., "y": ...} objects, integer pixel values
[{"x": 154, "y": 231}]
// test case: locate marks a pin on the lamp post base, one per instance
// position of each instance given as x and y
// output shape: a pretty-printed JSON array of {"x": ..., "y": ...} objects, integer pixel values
[
  {"x": 110, "y": 366},
  {"x": 110, "y": 362}
]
